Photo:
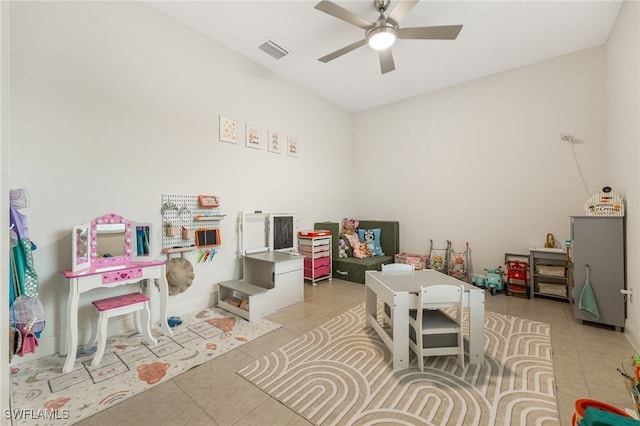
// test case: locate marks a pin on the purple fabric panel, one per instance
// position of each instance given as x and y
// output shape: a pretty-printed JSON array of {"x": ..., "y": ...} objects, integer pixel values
[{"x": 19, "y": 222}]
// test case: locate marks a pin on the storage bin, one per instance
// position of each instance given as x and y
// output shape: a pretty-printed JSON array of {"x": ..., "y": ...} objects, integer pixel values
[
  {"x": 317, "y": 272},
  {"x": 602, "y": 408},
  {"x": 172, "y": 231},
  {"x": 553, "y": 289},
  {"x": 317, "y": 249},
  {"x": 314, "y": 233},
  {"x": 318, "y": 255},
  {"x": 419, "y": 261},
  {"x": 552, "y": 271},
  {"x": 317, "y": 263},
  {"x": 313, "y": 242}
]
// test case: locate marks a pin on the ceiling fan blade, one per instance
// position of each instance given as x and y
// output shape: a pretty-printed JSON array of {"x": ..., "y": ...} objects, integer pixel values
[
  {"x": 386, "y": 61},
  {"x": 445, "y": 32},
  {"x": 342, "y": 13},
  {"x": 401, "y": 9},
  {"x": 340, "y": 52}
]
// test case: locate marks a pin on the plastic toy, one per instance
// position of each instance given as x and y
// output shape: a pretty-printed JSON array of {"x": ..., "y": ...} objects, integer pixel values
[
  {"x": 174, "y": 321},
  {"x": 478, "y": 281},
  {"x": 636, "y": 366},
  {"x": 458, "y": 264},
  {"x": 438, "y": 257},
  {"x": 517, "y": 274},
  {"x": 494, "y": 281}
]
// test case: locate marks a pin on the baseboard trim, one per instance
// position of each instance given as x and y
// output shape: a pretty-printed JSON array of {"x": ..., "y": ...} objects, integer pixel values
[{"x": 633, "y": 335}]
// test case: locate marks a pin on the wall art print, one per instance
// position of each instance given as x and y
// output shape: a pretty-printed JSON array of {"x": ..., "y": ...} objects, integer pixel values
[
  {"x": 293, "y": 146},
  {"x": 275, "y": 142},
  {"x": 252, "y": 136},
  {"x": 228, "y": 130}
]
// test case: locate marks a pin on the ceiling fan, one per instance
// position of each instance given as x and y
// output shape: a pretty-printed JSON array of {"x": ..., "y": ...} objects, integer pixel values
[{"x": 381, "y": 34}]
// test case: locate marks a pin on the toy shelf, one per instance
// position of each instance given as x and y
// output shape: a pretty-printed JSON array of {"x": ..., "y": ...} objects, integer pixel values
[
  {"x": 207, "y": 218},
  {"x": 317, "y": 253},
  {"x": 178, "y": 249},
  {"x": 549, "y": 273}
]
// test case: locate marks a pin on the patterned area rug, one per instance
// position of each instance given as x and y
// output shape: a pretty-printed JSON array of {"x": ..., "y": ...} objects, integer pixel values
[
  {"x": 340, "y": 374},
  {"x": 44, "y": 396}
]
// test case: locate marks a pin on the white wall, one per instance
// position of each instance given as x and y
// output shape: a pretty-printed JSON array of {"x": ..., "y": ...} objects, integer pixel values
[
  {"x": 114, "y": 104},
  {"x": 623, "y": 140},
  {"x": 4, "y": 195},
  {"x": 482, "y": 162}
]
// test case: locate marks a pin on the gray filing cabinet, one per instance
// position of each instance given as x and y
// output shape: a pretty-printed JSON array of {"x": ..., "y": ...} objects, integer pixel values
[{"x": 599, "y": 242}]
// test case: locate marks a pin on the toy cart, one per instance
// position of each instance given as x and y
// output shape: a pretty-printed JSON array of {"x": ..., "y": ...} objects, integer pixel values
[
  {"x": 438, "y": 258},
  {"x": 517, "y": 274},
  {"x": 458, "y": 263}
]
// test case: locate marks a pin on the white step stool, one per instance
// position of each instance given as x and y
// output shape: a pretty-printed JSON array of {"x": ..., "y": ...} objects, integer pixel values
[{"x": 136, "y": 303}]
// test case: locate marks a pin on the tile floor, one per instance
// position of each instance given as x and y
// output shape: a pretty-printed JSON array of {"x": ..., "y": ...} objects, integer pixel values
[{"x": 585, "y": 359}]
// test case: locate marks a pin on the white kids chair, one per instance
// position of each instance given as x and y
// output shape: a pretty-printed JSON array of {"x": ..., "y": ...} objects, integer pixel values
[
  {"x": 429, "y": 320},
  {"x": 400, "y": 268}
]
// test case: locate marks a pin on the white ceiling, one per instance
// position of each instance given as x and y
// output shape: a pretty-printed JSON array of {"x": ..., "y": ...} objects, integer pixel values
[{"x": 497, "y": 36}]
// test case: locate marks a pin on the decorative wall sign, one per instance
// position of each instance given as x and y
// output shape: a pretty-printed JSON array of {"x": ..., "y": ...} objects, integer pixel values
[
  {"x": 209, "y": 200},
  {"x": 292, "y": 146},
  {"x": 604, "y": 203},
  {"x": 228, "y": 130},
  {"x": 252, "y": 136},
  {"x": 275, "y": 142}
]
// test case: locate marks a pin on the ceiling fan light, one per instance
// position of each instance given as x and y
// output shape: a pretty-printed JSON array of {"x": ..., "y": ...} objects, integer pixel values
[{"x": 382, "y": 38}]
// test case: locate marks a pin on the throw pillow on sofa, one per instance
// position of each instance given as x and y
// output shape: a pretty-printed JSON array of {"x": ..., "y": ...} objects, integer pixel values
[{"x": 371, "y": 238}]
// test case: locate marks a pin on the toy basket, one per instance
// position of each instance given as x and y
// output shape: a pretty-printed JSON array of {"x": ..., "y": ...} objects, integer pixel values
[{"x": 419, "y": 261}]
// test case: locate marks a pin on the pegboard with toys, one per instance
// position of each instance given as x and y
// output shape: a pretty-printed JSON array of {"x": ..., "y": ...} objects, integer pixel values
[{"x": 191, "y": 222}]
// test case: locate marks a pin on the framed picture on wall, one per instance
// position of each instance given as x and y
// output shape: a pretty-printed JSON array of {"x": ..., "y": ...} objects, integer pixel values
[
  {"x": 228, "y": 130},
  {"x": 252, "y": 136},
  {"x": 275, "y": 142},
  {"x": 293, "y": 146}
]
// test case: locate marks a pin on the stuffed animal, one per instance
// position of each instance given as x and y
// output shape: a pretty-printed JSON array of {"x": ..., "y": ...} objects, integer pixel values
[
  {"x": 363, "y": 250},
  {"x": 350, "y": 231},
  {"x": 342, "y": 248},
  {"x": 368, "y": 242},
  {"x": 372, "y": 239},
  {"x": 437, "y": 263},
  {"x": 350, "y": 226},
  {"x": 357, "y": 246},
  {"x": 457, "y": 262}
]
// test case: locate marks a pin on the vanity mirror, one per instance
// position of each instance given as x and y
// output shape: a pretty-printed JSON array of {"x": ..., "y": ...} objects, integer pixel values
[
  {"x": 80, "y": 245},
  {"x": 110, "y": 240},
  {"x": 141, "y": 249}
]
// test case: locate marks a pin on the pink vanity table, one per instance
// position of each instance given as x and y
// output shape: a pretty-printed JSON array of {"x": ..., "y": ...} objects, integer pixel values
[{"x": 108, "y": 252}]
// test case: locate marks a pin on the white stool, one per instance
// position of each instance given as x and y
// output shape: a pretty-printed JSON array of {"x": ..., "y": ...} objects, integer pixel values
[{"x": 136, "y": 303}]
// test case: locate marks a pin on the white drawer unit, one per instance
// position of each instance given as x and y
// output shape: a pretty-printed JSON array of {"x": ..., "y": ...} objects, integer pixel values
[{"x": 315, "y": 246}]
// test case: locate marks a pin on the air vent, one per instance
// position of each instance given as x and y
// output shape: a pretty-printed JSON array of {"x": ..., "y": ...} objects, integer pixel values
[{"x": 272, "y": 49}]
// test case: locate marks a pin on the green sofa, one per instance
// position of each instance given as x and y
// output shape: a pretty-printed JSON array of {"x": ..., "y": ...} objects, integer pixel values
[{"x": 352, "y": 268}]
